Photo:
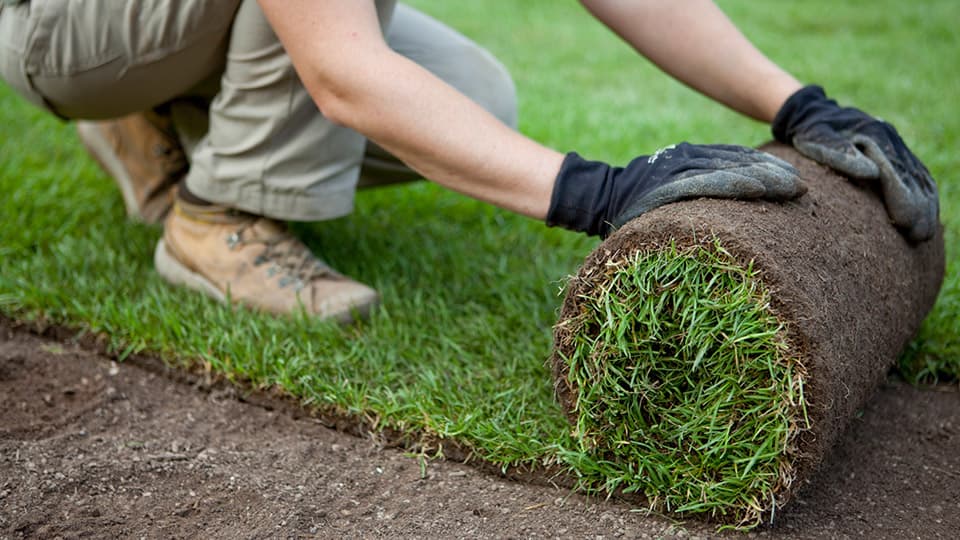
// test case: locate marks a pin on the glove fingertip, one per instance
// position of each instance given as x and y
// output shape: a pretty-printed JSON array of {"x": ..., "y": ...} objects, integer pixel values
[
  {"x": 779, "y": 162},
  {"x": 926, "y": 228},
  {"x": 800, "y": 189},
  {"x": 920, "y": 232},
  {"x": 851, "y": 162},
  {"x": 788, "y": 189},
  {"x": 780, "y": 181}
]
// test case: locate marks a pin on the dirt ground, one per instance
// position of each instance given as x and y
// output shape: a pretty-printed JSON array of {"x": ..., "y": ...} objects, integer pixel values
[{"x": 92, "y": 448}]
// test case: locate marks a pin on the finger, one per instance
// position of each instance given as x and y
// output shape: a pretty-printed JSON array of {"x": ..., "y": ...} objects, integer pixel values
[
  {"x": 735, "y": 155},
  {"x": 779, "y": 183},
  {"x": 765, "y": 167},
  {"x": 720, "y": 184},
  {"x": 774, "y": 160},
  {"x": 838, "y": 154},
  {"x": 908, "y": 205},
  {"x": 742, "y": 154},
  {"x": 926, "y": 228},
  {"x": 746, "y": 183}
]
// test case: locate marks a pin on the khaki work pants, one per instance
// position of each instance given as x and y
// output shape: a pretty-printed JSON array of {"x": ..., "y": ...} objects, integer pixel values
[{"x": 254, "y": 137}]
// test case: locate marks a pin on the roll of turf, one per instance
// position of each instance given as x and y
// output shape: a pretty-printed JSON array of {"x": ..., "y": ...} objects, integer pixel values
[{"x": 711, "y": 352}]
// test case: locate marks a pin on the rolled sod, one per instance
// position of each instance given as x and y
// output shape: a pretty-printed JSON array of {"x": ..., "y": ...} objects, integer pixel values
[{"x": 711, "y": 352}]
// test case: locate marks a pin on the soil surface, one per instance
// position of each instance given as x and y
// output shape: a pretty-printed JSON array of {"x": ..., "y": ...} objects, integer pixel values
[{"x": 94, "y": 448}]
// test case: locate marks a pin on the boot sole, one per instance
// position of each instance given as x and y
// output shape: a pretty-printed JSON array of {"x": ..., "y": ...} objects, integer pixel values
[
  {"x": 176, "y": 273},
  {"x": 103, "y": 153}
]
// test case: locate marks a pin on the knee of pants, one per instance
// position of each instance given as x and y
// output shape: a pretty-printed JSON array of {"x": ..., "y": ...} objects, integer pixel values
[{"x": 103, "y": 59}]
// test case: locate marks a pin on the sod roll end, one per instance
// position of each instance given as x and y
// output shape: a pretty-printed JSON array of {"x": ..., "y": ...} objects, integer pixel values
[{"x": 711, "y": 352}]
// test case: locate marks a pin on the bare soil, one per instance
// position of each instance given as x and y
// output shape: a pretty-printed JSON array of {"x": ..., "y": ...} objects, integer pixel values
[{"x": 94, "y": 448}]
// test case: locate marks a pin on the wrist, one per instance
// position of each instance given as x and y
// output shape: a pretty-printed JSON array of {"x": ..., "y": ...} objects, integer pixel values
[
  {"x": 793, "y": 110},
  {"x": 581, "y": 196},
  {"x": 772, "y": 95}
]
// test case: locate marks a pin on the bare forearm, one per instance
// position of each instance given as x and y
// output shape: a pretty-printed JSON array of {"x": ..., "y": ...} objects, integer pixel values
[
  {"x": 359, "y": 82},
  {"x": 452, "y": 141},
  {"x": 696, "y": 43}
]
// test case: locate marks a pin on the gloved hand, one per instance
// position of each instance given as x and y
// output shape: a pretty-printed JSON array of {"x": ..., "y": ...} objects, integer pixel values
[
  {"x": 595, "y": 198},
  {"x": 863, "y": 147}
]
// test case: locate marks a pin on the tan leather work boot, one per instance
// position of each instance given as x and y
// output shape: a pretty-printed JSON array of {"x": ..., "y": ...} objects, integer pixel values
[
  {"x": 254, "y": 261},
  {"x": 142, "y": 154}
]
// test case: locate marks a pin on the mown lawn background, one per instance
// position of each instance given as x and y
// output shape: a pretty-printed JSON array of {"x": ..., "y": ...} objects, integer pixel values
[{"x": 470, "y": 292}]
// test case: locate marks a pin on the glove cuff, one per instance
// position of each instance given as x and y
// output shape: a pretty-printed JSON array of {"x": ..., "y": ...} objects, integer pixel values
[
  {"x": 792, "y": 111},
  {"x": 581, "y": 195}
]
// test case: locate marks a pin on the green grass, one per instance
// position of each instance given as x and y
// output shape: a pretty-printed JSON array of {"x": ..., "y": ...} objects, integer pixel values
[
  {"x": 470, "y": 292},
  {"x": 685, "y": 390}
]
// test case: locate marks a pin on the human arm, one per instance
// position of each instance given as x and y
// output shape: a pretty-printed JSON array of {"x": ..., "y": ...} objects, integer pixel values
[
  {"x": 358, "y": 81},
  {"x": 697, "y": 44}
]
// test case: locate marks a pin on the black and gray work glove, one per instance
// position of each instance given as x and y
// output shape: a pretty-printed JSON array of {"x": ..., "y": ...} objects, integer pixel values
[
  {"x": 863, "y": 147},
  {"x": 596, "y": 198}
]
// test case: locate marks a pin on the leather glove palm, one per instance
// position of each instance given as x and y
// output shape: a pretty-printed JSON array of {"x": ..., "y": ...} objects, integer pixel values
[
  {"x": 596, "y": 198},
  {"x": 863, "y": 147}
]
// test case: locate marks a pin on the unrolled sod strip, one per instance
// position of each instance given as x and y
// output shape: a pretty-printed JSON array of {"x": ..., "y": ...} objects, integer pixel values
[{"x": 710, "y": 353}]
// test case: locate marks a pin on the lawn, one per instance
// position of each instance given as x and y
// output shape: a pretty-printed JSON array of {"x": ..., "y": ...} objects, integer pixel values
[{"x": 457, "y": 351}]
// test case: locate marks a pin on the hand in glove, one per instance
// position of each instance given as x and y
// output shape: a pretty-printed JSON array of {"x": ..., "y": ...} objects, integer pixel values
[
  {"x": 863, "y": 147},
  {"x": 595, "y": 198}
]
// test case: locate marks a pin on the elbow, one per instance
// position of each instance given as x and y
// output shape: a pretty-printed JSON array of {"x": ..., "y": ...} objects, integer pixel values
[
  {"x": 335, "y": 105},
  {"x": 353, "y": 100},
  {"x": 344, "y": 91},
  {"x": 337, "y": 110}
]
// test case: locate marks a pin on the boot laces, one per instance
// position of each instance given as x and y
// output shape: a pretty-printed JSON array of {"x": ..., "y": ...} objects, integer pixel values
[{"x": 287, "y": 256}]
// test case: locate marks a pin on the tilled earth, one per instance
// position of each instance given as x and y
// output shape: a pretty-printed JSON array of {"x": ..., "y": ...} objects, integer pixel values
[{"x": 92, "y": 448}]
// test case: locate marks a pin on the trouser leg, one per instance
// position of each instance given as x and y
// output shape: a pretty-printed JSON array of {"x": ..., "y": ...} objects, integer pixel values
[
  {"x": 269, "y": 151},
  {"x": 104, "y": 58},
  {"x": 16, "y": 26},
  {"x": 191, "y": 113}
]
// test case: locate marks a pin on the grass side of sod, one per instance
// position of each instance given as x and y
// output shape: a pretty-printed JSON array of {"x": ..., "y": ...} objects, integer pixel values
[
  {"x": 470, "y": 292},
  {"x": 684, "y": 386}
]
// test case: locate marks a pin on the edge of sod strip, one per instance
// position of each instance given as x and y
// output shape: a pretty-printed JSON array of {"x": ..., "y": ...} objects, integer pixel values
[{"x": 680, "y": 384}]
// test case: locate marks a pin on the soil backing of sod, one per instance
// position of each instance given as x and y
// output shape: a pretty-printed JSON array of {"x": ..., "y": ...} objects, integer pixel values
[{"x": 710, "y": 353}]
